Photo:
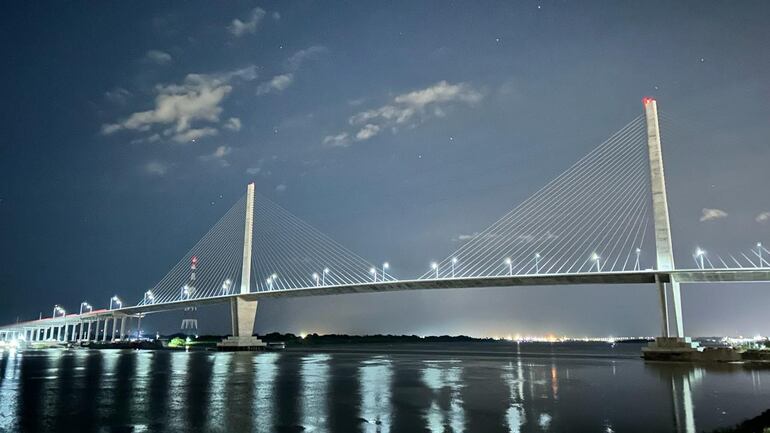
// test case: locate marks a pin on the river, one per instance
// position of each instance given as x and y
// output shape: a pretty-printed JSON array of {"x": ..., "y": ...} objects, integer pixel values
[{"x": 439, "y": 387}]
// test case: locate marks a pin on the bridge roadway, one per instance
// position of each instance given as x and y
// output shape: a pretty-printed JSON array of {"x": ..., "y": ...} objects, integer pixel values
[{"x": 625, "y": 277}]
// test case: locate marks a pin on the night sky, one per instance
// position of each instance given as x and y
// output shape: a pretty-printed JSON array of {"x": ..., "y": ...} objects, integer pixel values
[{"x": 129, "y": 128}]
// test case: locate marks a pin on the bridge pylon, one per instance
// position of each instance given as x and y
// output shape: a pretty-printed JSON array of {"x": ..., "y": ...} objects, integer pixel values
[
  {"x": 663, "y": 244},
  {"x": 243, "y": 311}
]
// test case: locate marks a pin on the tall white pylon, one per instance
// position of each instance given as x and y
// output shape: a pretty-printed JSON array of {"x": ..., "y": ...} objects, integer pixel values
[
  {"x": 247, "y": 235},
  {"x": 663, "y": 248},
  {"x": 243, "y": 312}
]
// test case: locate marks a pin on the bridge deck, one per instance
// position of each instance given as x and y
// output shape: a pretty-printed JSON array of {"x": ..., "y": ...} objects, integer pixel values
[{"x": 629, "y": 277}]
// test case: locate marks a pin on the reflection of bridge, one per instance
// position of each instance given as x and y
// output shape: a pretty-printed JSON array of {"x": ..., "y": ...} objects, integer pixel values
[{"x": 587, "y": 226}]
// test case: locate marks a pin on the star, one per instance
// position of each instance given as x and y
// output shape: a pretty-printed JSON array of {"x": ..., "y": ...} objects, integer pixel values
[
  {"x": 539, "y": 7},
  {"x": 702, "y": 60},
  {"x": 497, "y": 40},
  {"x": 451, "y": 139}
]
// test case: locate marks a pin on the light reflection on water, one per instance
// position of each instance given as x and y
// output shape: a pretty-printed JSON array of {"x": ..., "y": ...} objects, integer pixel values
[
  {"x": 376, "y": 376},
  {"x": 446, "y": 412},
  {"x": 93, "y": 391}
]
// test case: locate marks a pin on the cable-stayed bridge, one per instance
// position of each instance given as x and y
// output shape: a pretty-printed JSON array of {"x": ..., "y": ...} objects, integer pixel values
[{"x": 589, "y": 225}]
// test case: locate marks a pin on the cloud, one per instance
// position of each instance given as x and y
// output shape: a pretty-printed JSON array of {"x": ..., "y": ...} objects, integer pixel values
[
  {"x": 409, "y": 109},
  {"x": 276, "y": 16},
  {"x": 339, "y": 140},
  {"x": 253, "y": 170},
  {"x": 297, "y": 59},
  {"x": 763, "y": 217},
  {"x": 233, "y": 124},
  {"x": 367, "y": 132},
  {"x": 158, "y": 57},
  {"x": 117, "y": 95},
  {"x": 712, "y": 214},
  {"x": 192, "y": 134},
  {"x": 181, "y": 108},
  {"x": 277, "y": 84},
  {"x": 281, "y": 188},
  {"x": 239, "y": 28},
  {"x": 465, "y": 237},
  {"x": 218, "y": 155},
  {"x": 156, "y": 168}
]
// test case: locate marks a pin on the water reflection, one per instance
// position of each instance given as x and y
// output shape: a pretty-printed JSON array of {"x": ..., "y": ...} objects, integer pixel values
[
  {"x": 264, "y": 411},
  {"x": 96, "y": 391},
  {"x": 313, "y": 395},
  {"x": 514, "y": 378},
  {"x": 9, "y": 390},
  {"x": 446, "y": 413},
  {"x": 376, "y": 377}
]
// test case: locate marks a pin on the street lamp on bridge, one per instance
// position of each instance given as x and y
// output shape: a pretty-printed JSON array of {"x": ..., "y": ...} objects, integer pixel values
[
  {"x": 85, "y": 305},
  {"x": 58, "y": 309},
  {"x": 759, "y": 252},
  {"x": 700, "y": 255},
  {"x": 537, "y": 263},
  {"x": 270, "y": 280},
  {"x": 373, "y": 271},
  {"x": 323, "y": 276},
  {"x": 595, "y": 257},
  {"x": 509, "y": 262},
  {"x": 226, "y": 286},
  {"x": 115, "y": 300},
  {"x": 149, "y": 297},
  {"x": 316, "y": 278},
  {"x": 454, "y": 262},
  {"x": 434, "y": 266},
  {"x": 385, "y": 266},
  {"x": 636, "y": 265}
]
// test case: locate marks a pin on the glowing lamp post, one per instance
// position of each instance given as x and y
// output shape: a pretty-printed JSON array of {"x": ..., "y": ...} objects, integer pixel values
[
  {"x": 85, "y": 306},
  {"x": 537, "y": 263},
  {"x": 509, "y": 263},
  {"x": 149, "y": 297},
  {"x": 317, "y": 279},
  {"x": 434, "y": 266},
  {"x": 226, "y": 285},
  {"x": 373, "y": 271},
  {"x": 598, "y": 260},
  {"x": 323, "y": 276},
  {"x": 636, "y": 265},
  {"x": 115, "y": 301},
  {"x": 58, "y": 309},
  {"x": 700, "y": 254},
  {"x": 385, "y": 266}
]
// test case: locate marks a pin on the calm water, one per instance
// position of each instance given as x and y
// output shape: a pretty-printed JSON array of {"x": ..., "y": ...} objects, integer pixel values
[{"x": 547, "y": 388}]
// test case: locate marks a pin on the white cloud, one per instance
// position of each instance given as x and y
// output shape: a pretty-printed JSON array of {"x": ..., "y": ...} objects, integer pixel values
[
  {"x": 409, "y": 109},
  {"x": 117, "y": 95},
  {"x": 218, "y": 155},
  {"x": 159, "y": 57},
  {"x": 465, "y": 237},
  {"x": 277, "y": 84},
  {"x": 239, "y": 28},
  {"x": 253, "y": 170},
  {"x": 712, "y": 214},
  {"x": 297, "y": 59},
  {"x": 763, "y": 217},
  {"x": 233, "y": 124},
  {"x": 156, "y": 168},
  {"x": 276, "y": 16},
  {"x": 339, "y": 140},
  {"x": 281, "y": 188},
  {"x": 184, "y": 106},
  {"x": 367, "y": 132}
]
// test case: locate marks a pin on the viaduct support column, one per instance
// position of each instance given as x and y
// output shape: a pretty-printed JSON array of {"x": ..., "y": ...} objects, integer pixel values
[
  {"x": 122, "y": 328},
  {"x": 243, "y": 311}
]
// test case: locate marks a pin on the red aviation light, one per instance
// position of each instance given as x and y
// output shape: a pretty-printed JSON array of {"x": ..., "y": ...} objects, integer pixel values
[
  {"x": 647, "y": 99},
  {"x": 194, "y": 259}
]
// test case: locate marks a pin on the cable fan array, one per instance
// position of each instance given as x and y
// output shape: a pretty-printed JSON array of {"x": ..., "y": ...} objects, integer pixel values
[
  {"x": 592, "y": 217},
  {"x": 288, "y": 253},
  {"x": 211, "y": 268},
  {"x": 755, "y": 258}
]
